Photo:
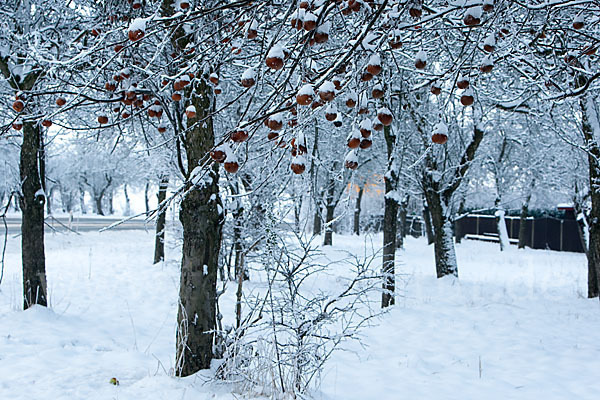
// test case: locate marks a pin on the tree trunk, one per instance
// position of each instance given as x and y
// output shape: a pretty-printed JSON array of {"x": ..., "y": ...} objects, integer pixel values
[
  {"x": 401, "y": 231},
  {"x": 445, "y": 257},
  {"x": 146, "y": 200},
  {"x": 159, "y": 241},
  {"x": 98, "y": 201},
  {"x": 32, "y": 173},
  {"x": 589, "y": 120},
  {"x": 202, "y": 223},
  {"x": 127, "y": 201},
  {"x": 523, "y": 218},
  {"x": 329, "y": 210},
  {"x": 82, "y": 201},
  {"x": 49, "y": 201},
  {"x": 357, "y": 211},
  {"x": 317, "y": 221},
  {"x": 390, "y": 222},
  {"x": 503, "y": 238},
  {"x": 111, "y": 204},
  {"x": 428, "y": 226}
]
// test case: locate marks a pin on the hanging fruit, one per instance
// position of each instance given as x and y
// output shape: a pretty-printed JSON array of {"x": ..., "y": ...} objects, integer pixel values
[
  {"x": 486, "y": 65},
  {"x": 467, "y": 97},
  {"x": 472, "y": 16},
  {"x": 365, "y": 143},
  {"x": 305, "y": 95},
  {"x": 578, "y": 22},
  {"x": 374, "y": 65},
  {"x": 488, "y": 5},
  {"x": 327, "y": 91},
  {"x": 322, "y": 33},
  {"x": 421, "y": 60},
  {"x": 489, "y": 44},
  {"x": 462, "y": 82},
  {"x": 239, "y": 135},
  {"x": 275, "y": 57},
  {"x": 47, "y": 123},
  {"x": 351, "y": 160},
  {"x": 310, "y": 21},
  {"x": 137, "y": 29},
  {"x": 385, "y": 116},
  {"x": 190, "y": 111},
  {"x": 298, "y": 164},
  {"x": 252, "y": 31},
  {"x": 440, "y": 133},
  {"x": 275, "y": 122},
  {"x": 354, "y": 139},
  {"x": 248, "y": 78},
  {"x": 18, "y": 105},
  {"x": 222, "y": 152},
  {"x": 331, "y": 112},
  {"x": 351, "y": 99},
  {"x": 436, "y": 89},
  {"x": 377, "y": 91},
  {"x": 102, "y": 119},
  {"x": 61, "y": 101},
  {"x": 366, "y": 128},
  {"x": 18, "y": 124}
]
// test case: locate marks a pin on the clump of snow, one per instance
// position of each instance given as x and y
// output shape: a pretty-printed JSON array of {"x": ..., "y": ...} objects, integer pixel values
[
  {"x": 306, "y": 89},
  {"x": 249, "y": 73},
  {"x": 276, "y": 51},
  {"x": 351, "y": 156},
  {"x": 421, "y": 55},
  {"x": 441, "y": 128}
]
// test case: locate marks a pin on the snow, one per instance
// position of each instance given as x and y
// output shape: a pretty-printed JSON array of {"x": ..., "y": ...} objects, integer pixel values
[
  {"x": 249, "y": 73},
  {"x": 138, "y": 24},
  {"x": 327, "y": 86},
  {"x": 490, "y": 40},
  {"x": 441, "y": 128},
  {"x": 276, "y": 51},
  {"x": 421, "y": 55},
  {"x": 351, "y": 156},
  {"x": 516, "y": 325},
  {"x": 325, "y": 27},
  {"x": 375, "y": 60},
  {"x": 475, "y": 12},
  {"x": 306, "y": 89}
]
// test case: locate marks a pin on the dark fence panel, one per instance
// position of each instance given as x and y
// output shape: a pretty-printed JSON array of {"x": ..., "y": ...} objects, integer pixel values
[{"x": 540, "y": 233}]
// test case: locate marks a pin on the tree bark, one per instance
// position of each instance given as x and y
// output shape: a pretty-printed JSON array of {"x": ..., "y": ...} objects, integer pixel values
[
  {"x": 357, "y": 211},
  {"x": 317, "y": 221},
  {"x": 32, "y": 173},
  {"x": 159, "y": 241},
  {"x": 202, "y": 223},
  {"x": 428, "y": 226},
  {"x": 82, "y": 201},
  {"x": 401, "y": 231},
  {"x": 98, "y": 201},
  {"x": 590, "y": 117},
  {"x": 445, "y": 257},
  {"x": 390, "y": 222},
  {"x": 523, "y": 217},
  {"x": 329, "y": 211},
  {"x": 500, "y": 214},
  {"x": 127, "y": 201},
  {"x": 146, "y": 199}
]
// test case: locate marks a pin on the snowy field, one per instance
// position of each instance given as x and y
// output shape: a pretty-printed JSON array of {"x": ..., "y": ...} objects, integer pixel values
[{"x": 516, "y": 325}]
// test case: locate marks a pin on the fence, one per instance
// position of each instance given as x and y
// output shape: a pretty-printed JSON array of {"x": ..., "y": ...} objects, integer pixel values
[{"x": 540, "y": 233}]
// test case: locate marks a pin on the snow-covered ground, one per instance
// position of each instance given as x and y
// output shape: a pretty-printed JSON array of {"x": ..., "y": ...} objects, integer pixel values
[{"x": 516, "y": 325}]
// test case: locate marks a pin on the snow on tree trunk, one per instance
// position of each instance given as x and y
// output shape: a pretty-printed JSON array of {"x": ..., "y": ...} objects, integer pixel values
[
  {"x": 502, "y": 231},
  {"x": 356, "y": 229},
  {"x": 428, "y": 226},
  {"x": 390, "y": 221},
  {"x": 445, "y": 258},
  {"x": 159, "y": 240},
  {"x": 329, "y": 210},
  {"x": 32, "y": 199},
  {"x": 201, "y": 217},
  {"x": 127, "y": 201},
  {"x": 591, "y": 132}
]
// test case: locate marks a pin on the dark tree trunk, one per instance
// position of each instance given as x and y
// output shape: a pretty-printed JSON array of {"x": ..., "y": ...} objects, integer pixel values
[
  {"x": 523, "y": 221},
  {"x": 127, "y": 201},
  {"x": 590, "y": 116},
  {"x": 428, "y": 226},
  {"x": 82, "y": 201},
  {"x": 329, "y": 210},
  {"x": 445, "y": 258},
  {"x": 317, "y": 221},
  {"x": 98, "y": 201},
  {"x": 111, "y": 203},
  {"x": 438, "y": 200},
  {"x": 401, "y": 231},
  {"x": 457, "y": 230},
  {"x": 49, "y": 201},
  {"x": 357, "y": 211},
  {"x": 159, "y": 241},
  {"x": 202, "y": 224},
  {"x": 390, "y": 223},
  {"x": 32, "y": 173},
  {"x": 146, "y": 199}
]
